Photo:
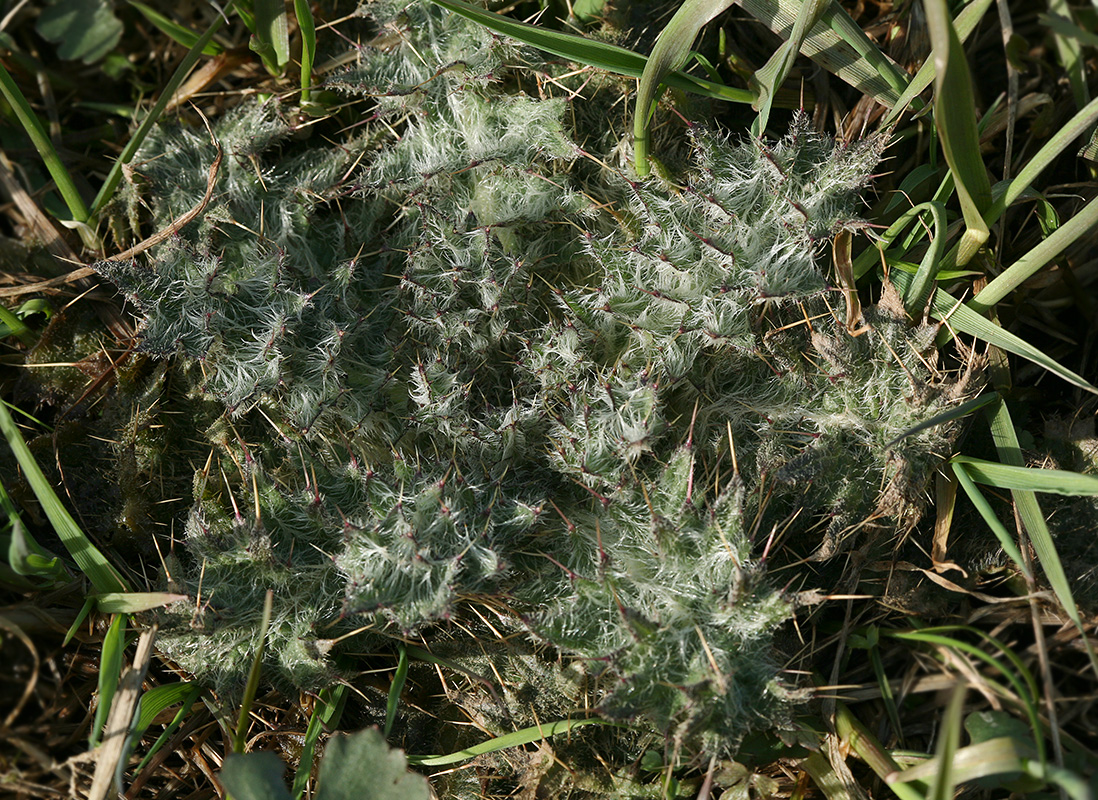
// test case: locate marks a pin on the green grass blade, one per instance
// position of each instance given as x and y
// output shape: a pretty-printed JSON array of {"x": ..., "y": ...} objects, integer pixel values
[
  {"x": 252, "y": 685},
  {"x": 272, "y": 34},
  {"x": 13, "y": 326},
  {"x": 964, "y": 25},
  {"x": 987, "y": 513},
  {"x": 957, "y": 412},
  {"x": 304, "y": 13},
  {"x": 1010, "y": 453},
  {"x": 514, "y": 739},
  {"x": 769, "y": 79},
  {"x": 81, "y": 615},
  {"x": 326, "y": 714},
  {"x": 171, "y": 728},
  {"x": 1070, "y": 50},
  {"x": 87, "y": 556},
  {"x": 110, "y": 672},
  {"x": 944, "y": 780},
  {"x": 42, "y": 143},
  {"x": 174, "y": 31},
  {"x": 838, "y": 44},
  {"x": 1049, "y": 481},
  {"x": 605, "y": 56},
  {"x": 873, "y": 643},
  {"x": 1080, "y": 123},
  {"x": 1022, "y": 681},
  {"x": 1080, "y": 225},
  {"x": 916, "y": 295},
  {"x": 963, "y": 319},
  {"x": 935, "y": 636},
  {"x": 955, "y": 117},
  {"x": 160, "y": 698},
  {"x": 669, "y": 54},
  {"x": 862, "y": 742},
  {"x": 393, "y": 701},
  {"x": 114, "y": 176},
  {"x": 134, "y": 602},
  {"x": 29, "y": 559},
  {"x": 871, "y": 256},
  {"x": 1000, "y": 756},
  {"x": 600, "y": 55}
]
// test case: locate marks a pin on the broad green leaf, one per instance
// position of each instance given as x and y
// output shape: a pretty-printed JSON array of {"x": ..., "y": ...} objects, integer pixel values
[
  {"x": 27, "y": 557},
  {"x": 363, "y": 767},
  {"x": 955, "y": 117},
  {"x": 82, "y": 29},
  {"x": 272, "y": 34},
  {"x": 982, "y": 726},
  {"x": 514, "y": 739},
  {"x": 586, "y": 10},
  {"x": 255, "y": 776}
]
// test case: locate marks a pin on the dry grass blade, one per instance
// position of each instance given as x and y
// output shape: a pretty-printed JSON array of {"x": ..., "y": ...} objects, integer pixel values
[
  {"x": 183, "y": 219},
  {"x": 15, "y": 630},
  {"x": 110, "y": 752}
]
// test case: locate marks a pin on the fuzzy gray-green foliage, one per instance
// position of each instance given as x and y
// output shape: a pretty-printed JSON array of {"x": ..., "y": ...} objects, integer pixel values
[{"x": 482, "y": 367}]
